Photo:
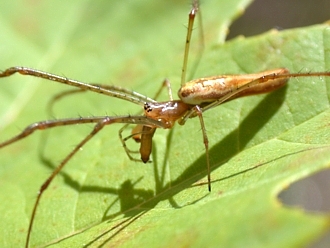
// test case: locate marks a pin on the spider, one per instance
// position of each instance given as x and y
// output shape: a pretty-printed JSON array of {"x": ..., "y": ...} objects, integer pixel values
[{"x": 195, "y": 97}]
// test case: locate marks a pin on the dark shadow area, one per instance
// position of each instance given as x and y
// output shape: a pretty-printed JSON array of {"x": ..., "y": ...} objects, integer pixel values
[
  {"x": 312, "y": 195},
  {"x": 308, "y": 193},
  {"x": 263, "y": 15}
]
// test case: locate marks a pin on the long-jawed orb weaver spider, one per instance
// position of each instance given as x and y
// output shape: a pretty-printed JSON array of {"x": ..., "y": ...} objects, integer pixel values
[{"x": 196, "y": 97}]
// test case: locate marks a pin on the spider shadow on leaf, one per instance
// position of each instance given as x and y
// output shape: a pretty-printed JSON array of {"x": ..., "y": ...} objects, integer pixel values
[{"x": 135, "y": 202}]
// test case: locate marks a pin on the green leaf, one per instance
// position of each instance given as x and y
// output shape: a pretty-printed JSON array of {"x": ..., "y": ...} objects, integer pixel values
[{"x": 258, "y": 144}]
